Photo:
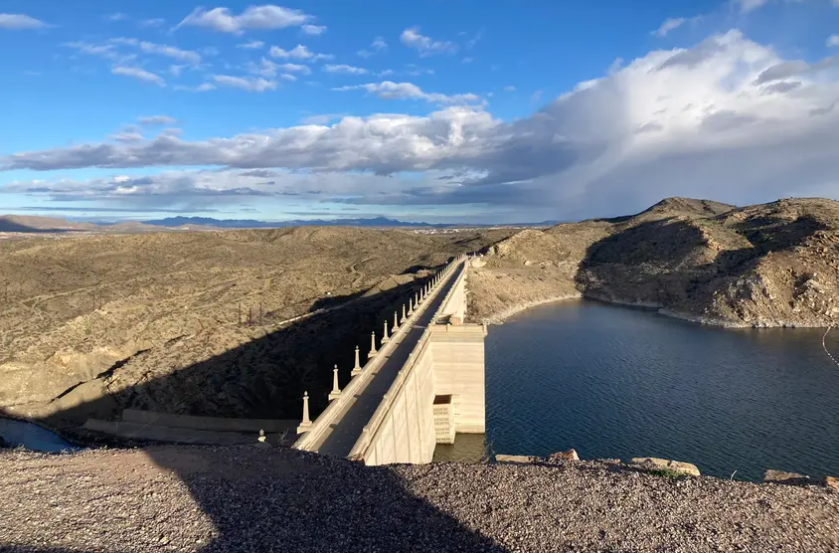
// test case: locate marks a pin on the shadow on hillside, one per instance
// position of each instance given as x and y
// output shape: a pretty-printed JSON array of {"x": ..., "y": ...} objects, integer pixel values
[
  {"x": 657, "y": 261},
  {"x": 9, "y": 226},
  {"x": 271, "y": 499},
  {"x": 264, "y": 378}
]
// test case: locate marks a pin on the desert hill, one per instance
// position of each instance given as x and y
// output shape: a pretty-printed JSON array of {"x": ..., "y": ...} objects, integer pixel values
[
  {"x": 774, "y": 264},
  {"x": 192, "y": 322}
]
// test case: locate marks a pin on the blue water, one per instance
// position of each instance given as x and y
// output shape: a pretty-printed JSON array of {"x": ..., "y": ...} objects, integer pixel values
[
  {"x": 614, "y": 382},
  {"x": 31, "y": 436}
]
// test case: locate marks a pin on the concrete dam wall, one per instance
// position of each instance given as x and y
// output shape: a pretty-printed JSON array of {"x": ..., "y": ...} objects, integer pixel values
[{"x": 436, "y": 391}]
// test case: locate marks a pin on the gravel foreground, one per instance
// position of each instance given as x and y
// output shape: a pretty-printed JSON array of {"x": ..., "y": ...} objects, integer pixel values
[{"x": 256, "y": 499}]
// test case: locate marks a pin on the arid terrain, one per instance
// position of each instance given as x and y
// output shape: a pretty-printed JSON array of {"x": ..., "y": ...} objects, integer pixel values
[
  {"x": 196, "y": 323},
  {"x": 241, "y": 322},
  {"x": 765, "y": 265},
  {"x": 188, "y": 499}
]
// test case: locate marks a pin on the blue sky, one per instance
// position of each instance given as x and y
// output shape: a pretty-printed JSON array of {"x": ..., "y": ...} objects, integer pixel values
[{"x": 484, "y": 111}]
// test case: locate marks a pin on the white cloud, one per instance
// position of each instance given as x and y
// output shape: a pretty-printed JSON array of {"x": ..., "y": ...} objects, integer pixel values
[
  {"x": 416, "y": 71},
  {"x": 189, "y": 56},
  {"x": 107, "y": 51},
  {"x": 313, "y": 30},
  {"x": 388, "y": 90},
  {"x": 203, "y": 87},
  {"x": 252, "y": 45},
  {"x": 266, "y": 68},
  {"x": 155, "y": 22},
  {"x": 834, "y": 39},
  {"x": 468, "y": 60},
  {"x": 18, "y": 21},
  {"x": 245, "y": 83},
  {"x": 378, "y": 45},
  {"x": 299, "y": 52},
  {"x": 321, "y": 119},
  {"x": 295, "y": 68},
  {"x": 254, "y": 17},
  {"x": 426, "y": 46},
  {"x": 345, "y": 69},
  {"x": 509, "y": 88},
  {"x": 155, "y": 120},
  {"x": 750, "y": 5},
  {"x": 140, "y": 74},
  {"x": 127, "y": 137},
  {"x": 706, "y": 121},
  {"x": 670, "y": 24},
  {"x": 118, "y": 16}
]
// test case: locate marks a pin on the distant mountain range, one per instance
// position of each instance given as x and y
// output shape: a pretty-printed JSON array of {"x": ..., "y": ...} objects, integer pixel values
[
  {"x": 251, "y": 223},
  {"x": 37, "y": 224}
]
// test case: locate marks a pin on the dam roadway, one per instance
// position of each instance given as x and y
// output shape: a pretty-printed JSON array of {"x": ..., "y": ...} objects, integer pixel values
[
  {"x": 420, "y": 388},
  {"x": 361, "y": 407}
]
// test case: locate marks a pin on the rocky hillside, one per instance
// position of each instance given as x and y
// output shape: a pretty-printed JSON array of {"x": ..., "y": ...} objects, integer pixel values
[
  {"x": 775, "y": 264},
  {"x": 193, "y": 323}
]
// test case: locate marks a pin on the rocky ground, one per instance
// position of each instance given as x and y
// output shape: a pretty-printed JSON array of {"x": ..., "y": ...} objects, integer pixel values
[
  {"x": 189, "y": 499},
  {"x": 775, "y": 264}
]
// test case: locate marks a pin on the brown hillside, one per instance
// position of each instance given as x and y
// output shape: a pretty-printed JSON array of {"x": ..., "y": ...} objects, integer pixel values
[
  {"x": 153, "y": 320},
  {"x": 775, "y": 264}
]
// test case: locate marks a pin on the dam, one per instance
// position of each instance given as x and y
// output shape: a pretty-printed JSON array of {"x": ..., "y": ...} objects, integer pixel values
[{"x": 422, "y": 384}]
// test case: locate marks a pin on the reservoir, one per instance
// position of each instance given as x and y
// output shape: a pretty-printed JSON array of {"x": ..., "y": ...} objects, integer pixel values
[
  {"x": 616, "y": 382},
  {"x": 14, "y": 433}
]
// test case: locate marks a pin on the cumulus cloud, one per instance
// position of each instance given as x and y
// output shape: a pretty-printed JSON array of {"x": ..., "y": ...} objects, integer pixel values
[
  {"x": 388, "y": 90},
  {"x": 426, "y": 46},
  {"x": 796, "y": 68},
  {"x": 107, "y": 51},
  {"x": 378, "y": 45},
  {"x": 295, "y": 68},
  {"x": 127, "y": 137},
  {"x": 141, "y": 74},
  {"x": 154, "y": 22},
  {"x": 299, "y": 52},
  {"x": 691, "y": 122},
  {"x": 345, "y": 69},
  {"x": 156, "y": 120},
  {"x": 313, "y": 30},
  {"x": 19, "y": 22},
  {"x": 252, "y": 45},
  {"x": 254, "y": 17},
  {"x": 203, "y": 87},
  {"x": 188, "y": 56},
  {"x": 670, "y": 24},
  {"x": 201, "y": 188},
  {"x": 249, "y": 84},
  {"x": 268, "y": 68},
  {"x": 750, "y": 5},
  {"x": 833, "y": 40}
]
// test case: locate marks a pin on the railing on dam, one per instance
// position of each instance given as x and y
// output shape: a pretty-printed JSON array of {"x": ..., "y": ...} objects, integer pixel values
[
  {"x": 372, "y": 431},
  {"x": 321, "y": 429}
]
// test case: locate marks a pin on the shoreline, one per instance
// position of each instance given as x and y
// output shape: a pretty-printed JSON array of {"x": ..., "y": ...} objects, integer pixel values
[
  {"x": 502, "y": 316},
  {"x": 515, "y": 309}
]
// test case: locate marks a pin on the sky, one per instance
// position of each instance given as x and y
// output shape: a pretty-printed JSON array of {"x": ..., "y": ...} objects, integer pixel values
[{"x": 462, "y": 111}]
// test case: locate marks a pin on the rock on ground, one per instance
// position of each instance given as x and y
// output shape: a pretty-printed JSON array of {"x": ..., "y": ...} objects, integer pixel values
[{"x": 261, "y": 499}]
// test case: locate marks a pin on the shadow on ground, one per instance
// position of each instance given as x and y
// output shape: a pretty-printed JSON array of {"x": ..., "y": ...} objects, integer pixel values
[{"x": 272, "y": 499}]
